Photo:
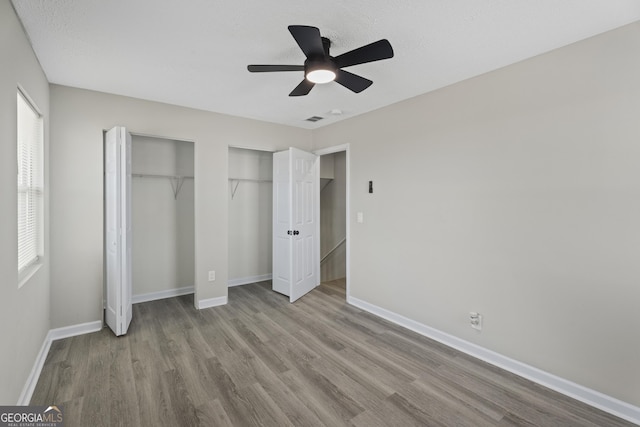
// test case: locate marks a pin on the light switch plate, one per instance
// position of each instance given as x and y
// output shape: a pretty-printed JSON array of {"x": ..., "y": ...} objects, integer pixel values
[{"x": 360, "y": 217}]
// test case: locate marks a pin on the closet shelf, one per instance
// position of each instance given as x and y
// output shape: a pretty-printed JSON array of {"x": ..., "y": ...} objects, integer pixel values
[
  {"x": 234, "y": 188},
  {"x": 175, "y": 180}
]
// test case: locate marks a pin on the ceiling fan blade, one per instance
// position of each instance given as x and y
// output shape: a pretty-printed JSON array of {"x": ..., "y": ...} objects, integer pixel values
[
  {"x": 309, "y": 40},
  {"x": 372, "y": 52},
  {"x": 303, "y": 88},
  {"x": 270, "y": 68},
  {"x": 352, "y": 81}
]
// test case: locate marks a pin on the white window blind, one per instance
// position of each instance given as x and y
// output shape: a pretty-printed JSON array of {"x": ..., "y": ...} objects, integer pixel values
[{"x": 30, "y": 184}]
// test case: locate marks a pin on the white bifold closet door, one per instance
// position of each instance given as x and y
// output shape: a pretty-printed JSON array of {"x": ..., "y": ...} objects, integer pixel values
[
  {"x": 296, "y": 222},
  {"x": 118, "y": 246}
]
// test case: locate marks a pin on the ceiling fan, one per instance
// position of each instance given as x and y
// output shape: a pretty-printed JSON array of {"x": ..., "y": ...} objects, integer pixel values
[{"x": 320, "y": 67}]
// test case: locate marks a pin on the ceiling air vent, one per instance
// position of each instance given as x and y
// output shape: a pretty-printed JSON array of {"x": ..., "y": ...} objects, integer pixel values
[{"x": 314, "y": 118}]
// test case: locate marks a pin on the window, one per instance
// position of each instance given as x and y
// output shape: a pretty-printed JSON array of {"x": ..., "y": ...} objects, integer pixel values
[{"x": 30, "y": 185}]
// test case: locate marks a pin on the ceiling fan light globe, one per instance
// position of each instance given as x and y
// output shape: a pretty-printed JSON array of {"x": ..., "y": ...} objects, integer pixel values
[{"x": 320, "y": 76}]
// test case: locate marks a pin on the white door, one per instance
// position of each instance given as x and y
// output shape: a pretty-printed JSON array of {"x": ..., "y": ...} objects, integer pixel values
[
  {"x": 296, "y": 224},
  {"x": 118, "y": 229}
]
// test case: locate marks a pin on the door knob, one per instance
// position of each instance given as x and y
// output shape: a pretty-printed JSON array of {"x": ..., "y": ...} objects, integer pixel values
[{"x": 296, "y": 232}]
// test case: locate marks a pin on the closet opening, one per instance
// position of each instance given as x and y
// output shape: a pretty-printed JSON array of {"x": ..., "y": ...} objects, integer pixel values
[
  {"x": 250, "y": 216},
  {"x": 163, "y": 220}
]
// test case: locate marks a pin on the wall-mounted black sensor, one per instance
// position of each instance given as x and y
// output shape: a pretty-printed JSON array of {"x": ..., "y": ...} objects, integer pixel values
[{"x": 370, "y": 186}]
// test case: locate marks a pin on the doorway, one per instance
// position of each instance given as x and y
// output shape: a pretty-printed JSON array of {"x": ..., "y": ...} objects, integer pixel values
[
  {"x": 333, "y": 221},
  {"x": 334, "y": 218}
]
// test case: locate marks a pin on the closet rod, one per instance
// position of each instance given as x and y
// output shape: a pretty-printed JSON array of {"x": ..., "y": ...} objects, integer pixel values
[
  {"x": 146, "y": 175},
  {"x": 250, "y": 180}
]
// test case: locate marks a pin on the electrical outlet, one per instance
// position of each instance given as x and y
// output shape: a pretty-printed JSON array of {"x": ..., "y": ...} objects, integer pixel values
[
  {"x": 212, "y": 275},
  {"x": 475, "y": 319}
]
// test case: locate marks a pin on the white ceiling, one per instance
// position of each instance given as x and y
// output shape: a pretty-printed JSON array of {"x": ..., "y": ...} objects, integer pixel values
[{"x": 194, "y": 53}]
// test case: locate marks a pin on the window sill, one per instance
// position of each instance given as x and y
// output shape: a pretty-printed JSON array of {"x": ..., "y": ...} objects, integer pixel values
[{"x": 28, "y": 273}]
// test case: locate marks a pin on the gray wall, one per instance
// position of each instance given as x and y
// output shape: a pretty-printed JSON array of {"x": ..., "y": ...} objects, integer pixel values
[
  {"x": 78, "y": 119},
  {"x": 333, "y": 226},
  {"x": 24, "y": 312},
  {"x": 163, "y": 225},
  {"x": 250, "y": 213},
  {"x": 515, "y": 194}
]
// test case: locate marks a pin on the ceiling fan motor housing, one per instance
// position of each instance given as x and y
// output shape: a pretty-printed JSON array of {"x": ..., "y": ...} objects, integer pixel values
[
  {"x": 324, "y": 62},
  {"x": 315, "y": 64}
]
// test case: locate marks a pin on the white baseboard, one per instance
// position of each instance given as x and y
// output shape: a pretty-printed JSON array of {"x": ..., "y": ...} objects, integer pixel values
[
  {"x": 32, "y": 379},
  {"x": 211, "y": 302},
  {"x": 73, "y": 330},
  {"x": 52, "y": 335},
  {"x": 247, "y": 280},
  {"x": 589, "y": 396},
  {"x": 169, "y": 293}
]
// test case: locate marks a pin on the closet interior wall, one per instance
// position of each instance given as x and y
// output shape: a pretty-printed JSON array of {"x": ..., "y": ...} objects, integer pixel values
[
  {"x": 163, "y": 216},
  {"x": 250, "y": 215},
  {"x": 333, "y": 225}
]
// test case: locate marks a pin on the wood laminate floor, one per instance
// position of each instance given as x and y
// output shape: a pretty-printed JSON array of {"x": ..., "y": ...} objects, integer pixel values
[{"x": 262, "y": 361}]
